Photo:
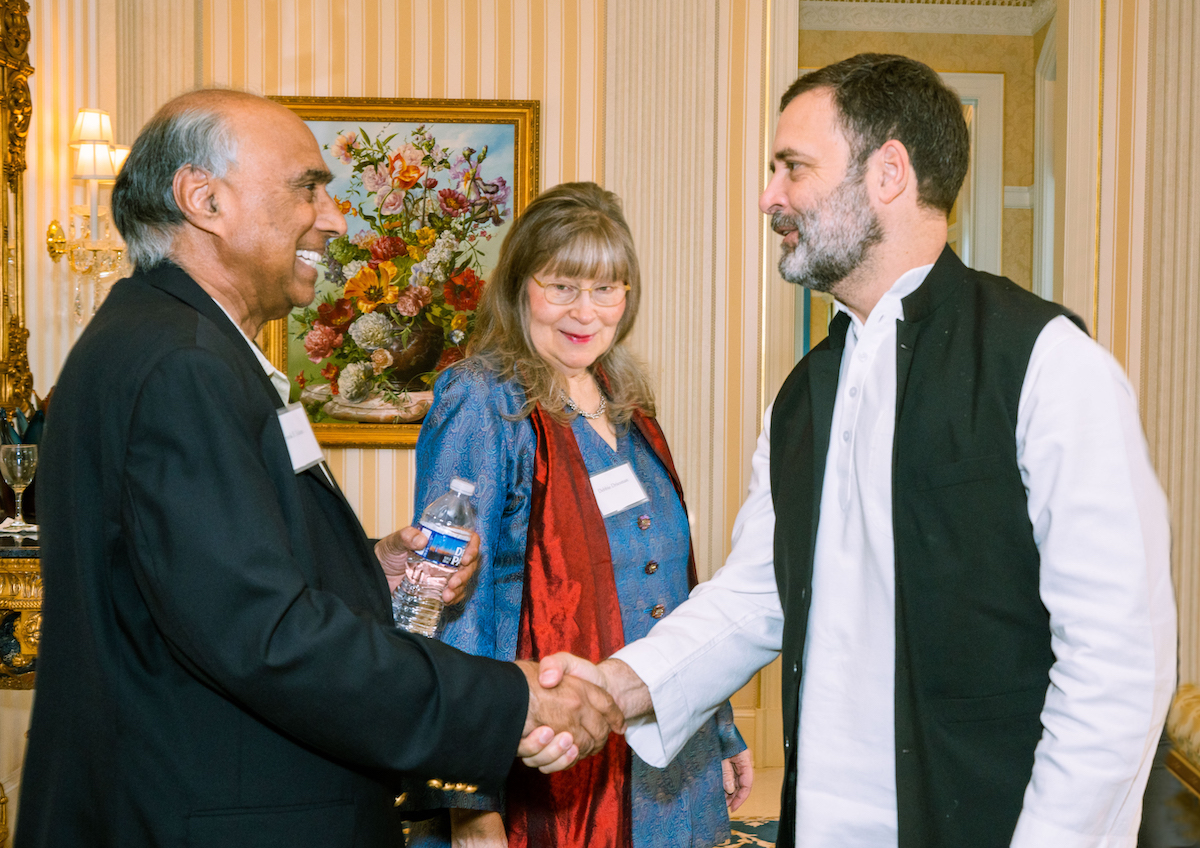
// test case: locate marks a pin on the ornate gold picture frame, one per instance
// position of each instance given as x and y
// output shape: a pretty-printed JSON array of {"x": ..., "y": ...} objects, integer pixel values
[{"x": 429, "y": 188}]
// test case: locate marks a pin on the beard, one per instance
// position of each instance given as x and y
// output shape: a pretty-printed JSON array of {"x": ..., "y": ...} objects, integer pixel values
[{"x": 832, "y": 238}]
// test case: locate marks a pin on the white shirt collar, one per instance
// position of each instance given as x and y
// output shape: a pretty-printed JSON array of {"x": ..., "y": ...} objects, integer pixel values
[
  {"x": 278, "y": 379},
  {"x": 890, "y": 305}
]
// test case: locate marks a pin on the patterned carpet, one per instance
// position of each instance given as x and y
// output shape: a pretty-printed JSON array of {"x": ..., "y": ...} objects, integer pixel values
[{"x": 759, "y": 833}]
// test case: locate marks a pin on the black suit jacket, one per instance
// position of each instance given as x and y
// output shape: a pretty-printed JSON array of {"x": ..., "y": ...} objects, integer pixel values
[{"x": 217, "y": 662}]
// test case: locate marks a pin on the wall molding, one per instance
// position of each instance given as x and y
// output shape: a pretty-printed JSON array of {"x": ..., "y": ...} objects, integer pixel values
[
  {"x": 1018, "y": 197},
  {"x": 986, "y": 220},
  {"x": 1045, "y": 76},
  {"x": 850, "y": 15}
]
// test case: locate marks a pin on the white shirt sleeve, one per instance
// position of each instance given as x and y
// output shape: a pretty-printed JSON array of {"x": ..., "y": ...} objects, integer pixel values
[
  {"x": 1100, "y": 523},
  {"x": 712, "y": 644}
]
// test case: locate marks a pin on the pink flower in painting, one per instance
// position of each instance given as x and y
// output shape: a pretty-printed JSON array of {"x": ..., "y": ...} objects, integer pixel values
[
  {"x": 454, "y": 203},
  {"x": 423, "y": 294},
  {"x": 343, "y": 144},
  {"x": 392, "y": 203},
  {"x": 411, "y": 155},
  {"x": 413, "y": 300},
  {"x": 408, "y": 305},
  {"x": 496, "y": 191},
  {"x": 321, "y": 341},
  {"x": 376, "y": 177}
]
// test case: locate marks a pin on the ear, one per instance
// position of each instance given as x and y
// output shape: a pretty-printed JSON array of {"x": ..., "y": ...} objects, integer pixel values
[
  {"x": 196, "y": 194},
  {"x": 895, "y": 173}
]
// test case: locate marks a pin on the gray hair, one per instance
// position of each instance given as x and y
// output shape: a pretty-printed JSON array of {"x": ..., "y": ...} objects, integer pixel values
[{"x": 195, "y": 134}]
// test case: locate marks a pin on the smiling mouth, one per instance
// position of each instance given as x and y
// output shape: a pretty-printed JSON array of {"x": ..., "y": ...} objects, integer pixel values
[
  {"x": 310, "y": 258},
  {"x": 576, "y": 339}
]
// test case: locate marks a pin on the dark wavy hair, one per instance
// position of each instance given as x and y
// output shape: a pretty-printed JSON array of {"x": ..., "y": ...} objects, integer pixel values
[{"x": 882, "y": 97}]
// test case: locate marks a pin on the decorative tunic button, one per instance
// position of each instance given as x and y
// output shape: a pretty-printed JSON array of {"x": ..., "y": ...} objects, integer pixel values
[
  {"x": 651, "y": 567},
  {"x": 643, "y": 522},
  {"x": 658, "y": 611}
]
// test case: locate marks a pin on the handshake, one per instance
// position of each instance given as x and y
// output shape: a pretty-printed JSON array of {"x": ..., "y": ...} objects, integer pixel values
[{"x": 574, "y": 705}]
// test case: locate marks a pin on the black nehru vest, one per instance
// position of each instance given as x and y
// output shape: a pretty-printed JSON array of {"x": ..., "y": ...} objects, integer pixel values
[{"x": 972, "y": 636}]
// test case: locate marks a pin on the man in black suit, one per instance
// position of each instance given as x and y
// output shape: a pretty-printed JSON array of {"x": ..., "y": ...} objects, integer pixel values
[{"x": 218, "y": 665}]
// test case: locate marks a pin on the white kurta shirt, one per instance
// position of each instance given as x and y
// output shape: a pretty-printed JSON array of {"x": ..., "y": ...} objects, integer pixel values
[
  {"x": 1100, "y": 524},
  {"x": 846, "y": 782}
]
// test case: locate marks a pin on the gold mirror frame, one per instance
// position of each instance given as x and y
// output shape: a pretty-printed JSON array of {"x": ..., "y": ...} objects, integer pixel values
[{"x": 16, "y": 381}]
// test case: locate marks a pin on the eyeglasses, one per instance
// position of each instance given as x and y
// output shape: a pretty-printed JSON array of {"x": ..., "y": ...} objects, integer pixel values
[{"x": 564, "y": 294}]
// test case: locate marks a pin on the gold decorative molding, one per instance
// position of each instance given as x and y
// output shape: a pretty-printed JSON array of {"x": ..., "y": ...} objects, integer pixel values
[
  {"x": 20, "y": 621},
  {"x": 19, "y": 105},
  {"x": 16, "y": 111}
]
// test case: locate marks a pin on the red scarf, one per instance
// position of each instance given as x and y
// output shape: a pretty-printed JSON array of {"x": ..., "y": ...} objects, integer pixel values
[{"x": 570, "y": 603}]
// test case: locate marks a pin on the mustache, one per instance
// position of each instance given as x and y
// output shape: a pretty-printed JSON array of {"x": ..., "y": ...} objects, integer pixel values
[{"x": 782, "y": 223}]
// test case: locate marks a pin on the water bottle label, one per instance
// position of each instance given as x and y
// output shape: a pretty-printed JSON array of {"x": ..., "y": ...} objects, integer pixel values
[{"x": 446, "y": 545}]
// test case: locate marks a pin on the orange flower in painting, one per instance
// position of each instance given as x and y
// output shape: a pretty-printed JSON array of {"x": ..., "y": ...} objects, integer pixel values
[
  {"x": 404, "y": 168},
  {"x": 406, "y": 177},
  {"x": 373, "y": 288},
  {"x": 342, "y": 205}
]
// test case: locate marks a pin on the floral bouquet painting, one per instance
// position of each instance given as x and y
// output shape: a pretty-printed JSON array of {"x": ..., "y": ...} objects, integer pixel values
[{"x": 426, "y": 206}]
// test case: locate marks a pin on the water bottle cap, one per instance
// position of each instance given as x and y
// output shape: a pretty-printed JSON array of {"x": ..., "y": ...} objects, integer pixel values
[{"x": 463, "y": 487}]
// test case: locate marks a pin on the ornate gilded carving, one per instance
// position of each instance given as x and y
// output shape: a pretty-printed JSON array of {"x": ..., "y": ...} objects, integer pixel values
[
  {"x": 16, "y": 367},
  {"x": 15, "y": 33},
  {"x": 20, "y": 621},
  {"x": 20, "y": 109},
  {"x": 16, "y": 382}
]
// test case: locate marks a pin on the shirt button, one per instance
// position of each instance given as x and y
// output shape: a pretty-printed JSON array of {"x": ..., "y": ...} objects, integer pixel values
[
  {"x": 643, "y": 522},
  {"x": 651, "y": 567},
  {"x": 658, "y": 611},
  {"x": 862, "y": 357},
  {"x": 846, "y": 436},
  {"x": 854, "y": 391}
]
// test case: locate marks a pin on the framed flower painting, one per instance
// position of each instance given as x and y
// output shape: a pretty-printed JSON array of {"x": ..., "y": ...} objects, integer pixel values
[{"x": 429, "y": 188}]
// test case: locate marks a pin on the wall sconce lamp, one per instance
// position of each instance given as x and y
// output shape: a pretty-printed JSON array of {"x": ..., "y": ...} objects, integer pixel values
[{"x": 94, "y": 250}]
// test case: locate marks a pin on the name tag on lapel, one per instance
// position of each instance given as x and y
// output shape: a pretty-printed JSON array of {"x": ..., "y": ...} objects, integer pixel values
[
  {"x": 301, "y": 441},
  {"x": 617, "y": 489}
]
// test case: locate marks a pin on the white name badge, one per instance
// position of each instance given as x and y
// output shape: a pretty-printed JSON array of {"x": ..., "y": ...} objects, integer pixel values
[
  {"x": 617, "y": 489},
  {"x": 301, "y": 441}
]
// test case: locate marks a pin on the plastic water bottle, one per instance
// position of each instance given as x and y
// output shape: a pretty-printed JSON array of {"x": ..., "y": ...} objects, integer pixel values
[{"x": 448, "y": 522}]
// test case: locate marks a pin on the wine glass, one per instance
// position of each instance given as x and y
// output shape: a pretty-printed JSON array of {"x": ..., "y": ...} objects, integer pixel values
[{"x": 17, "y": 464}]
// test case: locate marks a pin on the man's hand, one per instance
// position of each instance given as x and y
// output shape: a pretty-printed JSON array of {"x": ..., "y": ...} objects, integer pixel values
[
  {"x": 583, "y": 713},
  {"x": 615, "y": 677},
  {"x": 393, "y": 550},
  {"x": 737, "y": 773},
  {"x": 477, "y": 829}
]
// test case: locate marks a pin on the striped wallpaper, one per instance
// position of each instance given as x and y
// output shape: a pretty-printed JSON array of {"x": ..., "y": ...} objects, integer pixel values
[{"x": 1170, "y": 373}]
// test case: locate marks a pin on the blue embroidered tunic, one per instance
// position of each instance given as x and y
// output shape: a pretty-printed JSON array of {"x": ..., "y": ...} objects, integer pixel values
[{"x": 466, "y": 434}]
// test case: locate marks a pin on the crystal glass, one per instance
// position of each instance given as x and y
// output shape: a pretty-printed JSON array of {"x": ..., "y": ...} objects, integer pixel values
[{"x": 17, "y": 464}]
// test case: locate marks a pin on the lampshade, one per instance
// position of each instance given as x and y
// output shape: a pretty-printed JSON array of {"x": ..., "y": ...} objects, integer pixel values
[
  {"x": 92, "y": 126},
  {"x": 120, "y": 152},
  {"x": 93, "y": 162}
]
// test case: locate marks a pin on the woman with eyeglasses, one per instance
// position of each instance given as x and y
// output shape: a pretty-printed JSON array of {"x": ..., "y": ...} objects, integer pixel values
[{"x": 585, "y": 539}]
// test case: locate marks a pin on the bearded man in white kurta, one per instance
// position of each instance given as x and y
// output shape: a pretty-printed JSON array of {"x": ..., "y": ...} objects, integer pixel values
[{"x": 953, "y": 533}]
